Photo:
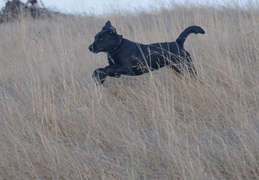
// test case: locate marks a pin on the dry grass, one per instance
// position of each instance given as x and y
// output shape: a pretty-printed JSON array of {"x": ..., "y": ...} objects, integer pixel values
[{"x": 56, "y": 124}]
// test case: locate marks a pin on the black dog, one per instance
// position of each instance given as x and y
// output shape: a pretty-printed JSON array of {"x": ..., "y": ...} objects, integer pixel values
[{"x": 129, "y": 58}]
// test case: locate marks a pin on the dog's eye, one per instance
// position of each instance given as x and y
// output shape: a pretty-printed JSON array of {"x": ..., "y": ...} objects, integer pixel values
[{"x": 100, "y": 39}]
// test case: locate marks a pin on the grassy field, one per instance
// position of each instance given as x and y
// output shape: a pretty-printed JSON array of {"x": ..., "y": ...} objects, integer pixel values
[{"x": 55, "y": 123}]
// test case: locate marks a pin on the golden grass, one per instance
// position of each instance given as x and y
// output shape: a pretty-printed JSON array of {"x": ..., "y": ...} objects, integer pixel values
[{"x": 56, "y": 124}]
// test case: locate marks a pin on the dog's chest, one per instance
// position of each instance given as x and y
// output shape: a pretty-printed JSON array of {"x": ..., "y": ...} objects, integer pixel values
[
  {"x": 111, "y": 60},
  {"x": 114, "y": 60}
]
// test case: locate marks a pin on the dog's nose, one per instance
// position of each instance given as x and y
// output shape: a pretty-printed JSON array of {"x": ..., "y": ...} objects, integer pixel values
[{"x": 91, "y": 48}]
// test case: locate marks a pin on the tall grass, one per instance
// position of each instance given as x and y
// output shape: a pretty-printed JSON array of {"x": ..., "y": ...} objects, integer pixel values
[{"x": 57, "y": 124}]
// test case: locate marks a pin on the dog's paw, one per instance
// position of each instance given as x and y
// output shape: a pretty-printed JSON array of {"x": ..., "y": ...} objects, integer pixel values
[{"x": 99, "y": 76}]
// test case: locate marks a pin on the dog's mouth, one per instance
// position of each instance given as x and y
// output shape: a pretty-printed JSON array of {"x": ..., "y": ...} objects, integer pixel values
[
  {"x": 98, "y": 50},
  {"x": 92, "y": 49}
]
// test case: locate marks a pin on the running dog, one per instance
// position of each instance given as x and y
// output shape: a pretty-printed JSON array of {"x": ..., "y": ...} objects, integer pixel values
[{"x": 130, "y": 58}]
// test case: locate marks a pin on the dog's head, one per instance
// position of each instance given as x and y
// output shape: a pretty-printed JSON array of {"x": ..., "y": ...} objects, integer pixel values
[{"x": 106, "y": 40}]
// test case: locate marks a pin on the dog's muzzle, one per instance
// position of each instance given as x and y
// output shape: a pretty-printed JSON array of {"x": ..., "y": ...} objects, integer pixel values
[{"x": 93, "y": 49}]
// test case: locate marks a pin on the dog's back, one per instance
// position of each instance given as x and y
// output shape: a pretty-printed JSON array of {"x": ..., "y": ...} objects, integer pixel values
[{"x": 172, "y": 54}]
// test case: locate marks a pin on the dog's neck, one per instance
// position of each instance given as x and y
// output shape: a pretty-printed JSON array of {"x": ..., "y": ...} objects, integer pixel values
[{"x": 116, "y": 47}]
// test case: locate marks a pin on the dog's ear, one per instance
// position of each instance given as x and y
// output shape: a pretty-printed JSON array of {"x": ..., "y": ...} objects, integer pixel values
[
  {"x": 108, "y": 26},
  {"x": 112, "y": 30},
  {"x": 108, "y": 23}
]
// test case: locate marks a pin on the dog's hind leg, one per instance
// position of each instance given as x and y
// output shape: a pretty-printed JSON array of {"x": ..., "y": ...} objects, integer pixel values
[
  {"x": 176, "y": 69},
  {"x": 192, "y": 71},
  {"x": 184, "y": 68},
  {"x": 189, "y": 67}
]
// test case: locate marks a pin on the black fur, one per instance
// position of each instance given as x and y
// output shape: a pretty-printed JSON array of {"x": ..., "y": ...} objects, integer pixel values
[{"x": 130, "y": 58}]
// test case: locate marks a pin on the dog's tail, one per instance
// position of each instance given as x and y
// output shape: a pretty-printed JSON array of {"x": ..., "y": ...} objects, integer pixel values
[{"x": 192, "y": 29}]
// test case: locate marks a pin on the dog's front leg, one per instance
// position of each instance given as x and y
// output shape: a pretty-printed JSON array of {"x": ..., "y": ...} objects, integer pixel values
[
  {"x": 113, "y": 71},
  {"x": 116, "y": 71},
  {"x": 99, "y": 75}
]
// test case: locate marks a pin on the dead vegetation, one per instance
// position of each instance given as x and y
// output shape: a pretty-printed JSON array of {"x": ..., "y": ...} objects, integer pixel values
[{"x": 56, "y": 124}]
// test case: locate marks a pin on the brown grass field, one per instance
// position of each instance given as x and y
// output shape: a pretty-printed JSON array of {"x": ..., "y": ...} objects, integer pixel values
[{"x": 55, "y": 123}]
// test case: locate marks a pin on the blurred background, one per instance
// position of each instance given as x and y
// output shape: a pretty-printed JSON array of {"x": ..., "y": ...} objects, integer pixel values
[{"x": 108, "y": 6}]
